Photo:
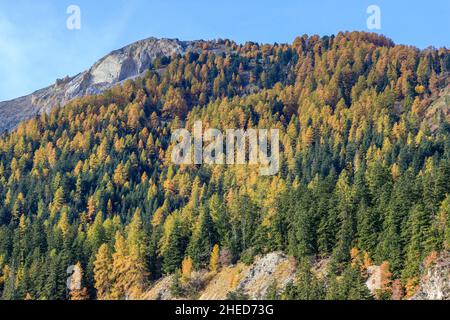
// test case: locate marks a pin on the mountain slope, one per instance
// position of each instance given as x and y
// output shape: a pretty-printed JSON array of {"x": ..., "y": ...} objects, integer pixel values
[
  {"x": 118, "y": 66},
  {"x": 363, "y": 185}
]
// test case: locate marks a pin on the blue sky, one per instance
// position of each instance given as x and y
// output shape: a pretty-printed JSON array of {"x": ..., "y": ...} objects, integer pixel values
[{"x": 36, "y": 47}]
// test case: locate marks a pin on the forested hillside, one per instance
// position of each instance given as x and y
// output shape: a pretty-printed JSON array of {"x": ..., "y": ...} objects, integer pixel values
[{"x": 364, "y": 178}]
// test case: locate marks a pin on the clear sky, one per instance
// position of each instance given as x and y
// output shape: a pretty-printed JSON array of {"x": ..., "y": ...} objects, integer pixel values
[{"x": 36, "y": 47}]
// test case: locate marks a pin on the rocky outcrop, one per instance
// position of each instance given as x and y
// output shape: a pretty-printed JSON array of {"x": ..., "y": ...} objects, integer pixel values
[
  {"x": 127, "y": 63},
  {"x": 261, "y": 275},
  {"x": 439, "y": 110},
  {"x": 374, "y": 281},
  {"x": 435, "y": 284},
  {"x": 160, "y": 290},
  {"x": 253, "y": 280}
]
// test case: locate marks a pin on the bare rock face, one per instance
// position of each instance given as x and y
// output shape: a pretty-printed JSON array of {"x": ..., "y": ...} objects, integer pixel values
[
  {"x": 439, "y": 110},
  {"x": 133, "y": 60},
  {"x": 160, "y": 290},
  {"x": 374, "y": 282},
  {"x": 120, "y": 65},
  {"x": 435, "y": 284},
  {"x": 253, "y": 280},
  {"x": 260, "y": 276}
]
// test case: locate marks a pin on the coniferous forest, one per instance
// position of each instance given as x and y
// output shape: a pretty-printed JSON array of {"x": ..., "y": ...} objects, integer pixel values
[{"x": 364, "y": 173}]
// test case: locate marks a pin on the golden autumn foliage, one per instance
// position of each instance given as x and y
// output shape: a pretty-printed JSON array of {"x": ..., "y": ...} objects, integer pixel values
[
  {"x": 186, "y": 269},
  {"x": 214, "y": 261},
  {"x": 363, "y": 176}
]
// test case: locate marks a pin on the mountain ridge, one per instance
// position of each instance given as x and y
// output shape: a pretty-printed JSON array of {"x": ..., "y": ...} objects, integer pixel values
[{"x": 114, "y": 68}]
